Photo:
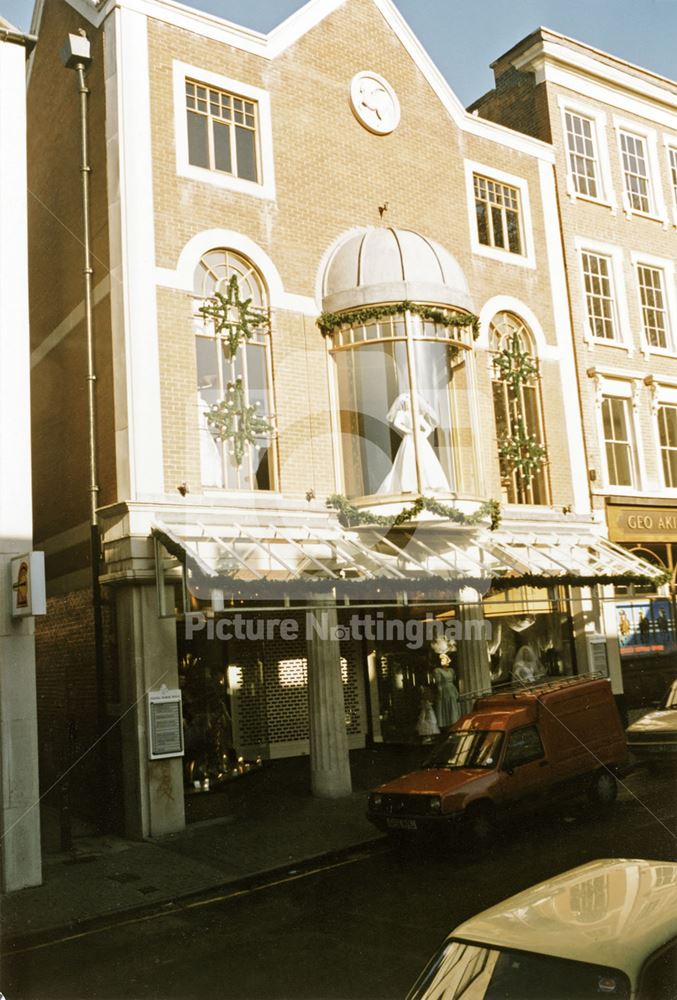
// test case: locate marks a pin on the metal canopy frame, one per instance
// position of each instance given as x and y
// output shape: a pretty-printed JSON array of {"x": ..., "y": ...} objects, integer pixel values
[{"x": 331, "y": 553}]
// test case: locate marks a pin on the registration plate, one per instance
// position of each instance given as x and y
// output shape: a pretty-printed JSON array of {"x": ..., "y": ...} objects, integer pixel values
[{"x": 401, "y": 824}]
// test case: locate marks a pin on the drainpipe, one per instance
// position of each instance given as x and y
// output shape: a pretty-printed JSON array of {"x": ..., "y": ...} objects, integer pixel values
[{"x": 76, "y": 55}]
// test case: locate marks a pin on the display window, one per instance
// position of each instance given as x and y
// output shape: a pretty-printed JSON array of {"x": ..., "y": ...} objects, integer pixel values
[{"x": 405, "y": 408}]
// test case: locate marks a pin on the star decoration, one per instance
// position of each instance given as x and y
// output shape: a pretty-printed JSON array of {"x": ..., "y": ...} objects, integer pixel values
[
  {"x": 514, "y": 365},
  {"x": 235, "y": 317},
  {"x": 521, "y": 452},
  {"x": 237, "y": 422}
]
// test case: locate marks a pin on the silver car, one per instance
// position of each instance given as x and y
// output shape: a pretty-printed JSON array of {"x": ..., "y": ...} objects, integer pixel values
[{"x": 653, "y": 738}]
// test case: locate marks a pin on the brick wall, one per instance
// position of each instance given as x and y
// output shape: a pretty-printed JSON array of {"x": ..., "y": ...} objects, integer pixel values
[
  {"x": 67, "y": 698},
  {"x": 58, "y": 381}
]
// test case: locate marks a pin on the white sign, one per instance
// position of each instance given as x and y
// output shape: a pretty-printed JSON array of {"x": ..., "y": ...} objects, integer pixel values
[
  {"x": 374, "y": 103},
  {"x": 28, "y": 585},
  {"x": 165, "y": 724},
  {"x": 599, "y": 663}
]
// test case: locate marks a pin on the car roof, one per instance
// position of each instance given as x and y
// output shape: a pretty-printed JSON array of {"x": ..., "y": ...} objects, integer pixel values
[{"x": 612, "y": 912}]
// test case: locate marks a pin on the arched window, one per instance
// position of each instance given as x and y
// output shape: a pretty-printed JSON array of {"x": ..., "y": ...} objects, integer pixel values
[
  {"x": 518, "y": 412},
  {"x": 237, "y": 452},
  {"x": 405, "y": 392}
]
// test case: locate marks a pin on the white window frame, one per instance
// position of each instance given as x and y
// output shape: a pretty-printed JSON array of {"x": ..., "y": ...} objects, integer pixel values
[
  {"x": 527, "y": 258},
  {"x": 670, "y": 143},
  {"x": 668, "y": 269},
  {"x": 265, "y": 188},
  {"x": 619, "y": 389},
  {"x": 621, "y": 315},
  {"x": 606, "y": 195},
  {"x": 657, "y": 209},
  {"x": 665, "y": 396}
]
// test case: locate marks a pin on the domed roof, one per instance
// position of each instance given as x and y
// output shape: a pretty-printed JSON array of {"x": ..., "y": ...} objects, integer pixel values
[{"x": 375, "y": 265}]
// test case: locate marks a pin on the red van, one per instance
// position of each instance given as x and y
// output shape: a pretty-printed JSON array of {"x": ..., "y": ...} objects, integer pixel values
[{"x": 515, "y": 750}]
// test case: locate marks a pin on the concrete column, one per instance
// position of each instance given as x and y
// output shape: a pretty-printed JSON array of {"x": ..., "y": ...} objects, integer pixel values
[
  {"x": 20, "y": 858},
  {"x": 474, "y": 675},
  {"x": 153, "y": 789},
  {"x": 584, "y": 623},
  {"x": 609, "y": 629},
  {"x": 329, "y": 759}
]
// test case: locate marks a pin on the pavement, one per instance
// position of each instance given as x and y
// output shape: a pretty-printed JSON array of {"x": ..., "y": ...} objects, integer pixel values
[{"x": 266, "y": 822}]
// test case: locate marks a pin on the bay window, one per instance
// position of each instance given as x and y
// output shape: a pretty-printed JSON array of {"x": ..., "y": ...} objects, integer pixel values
[{"x": 405, "y": 400}]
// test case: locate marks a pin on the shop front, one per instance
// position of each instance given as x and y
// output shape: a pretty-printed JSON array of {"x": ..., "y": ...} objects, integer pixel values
[
  {"x": 646, "y": 618},
  {"x": 418, "y": 634}
]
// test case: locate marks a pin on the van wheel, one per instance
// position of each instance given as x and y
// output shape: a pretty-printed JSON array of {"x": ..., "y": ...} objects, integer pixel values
[
  {"x": 604, "y": 788},
  {"x": 479, "y": 825}
]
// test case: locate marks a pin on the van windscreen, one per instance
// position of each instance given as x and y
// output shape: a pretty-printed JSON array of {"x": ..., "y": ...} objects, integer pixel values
[{"x": 477, "y": 749}]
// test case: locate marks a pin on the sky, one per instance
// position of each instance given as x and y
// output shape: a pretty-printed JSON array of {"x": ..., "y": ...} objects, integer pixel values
[{"x": 465, "y": 36}]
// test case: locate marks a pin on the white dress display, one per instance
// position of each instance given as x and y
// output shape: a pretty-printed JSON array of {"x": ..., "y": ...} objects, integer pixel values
[{"x": 402, "y": 476}]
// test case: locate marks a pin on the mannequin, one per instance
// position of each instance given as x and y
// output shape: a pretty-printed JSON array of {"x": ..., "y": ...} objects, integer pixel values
[{"x": 402, "y": 476}]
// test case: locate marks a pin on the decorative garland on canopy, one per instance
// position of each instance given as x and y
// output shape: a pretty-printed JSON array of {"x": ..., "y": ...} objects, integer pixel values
[
  {"x": 330, "y": 322},
  {"x": 350, "y": 516},
  {"x": 233, "y": 419}
]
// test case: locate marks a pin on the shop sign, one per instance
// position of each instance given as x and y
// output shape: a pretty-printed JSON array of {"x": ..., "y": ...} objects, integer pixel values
[
  {"x": 650, "y": 524},
  {"x": 165, "y": 723},
  {"x": 28, "y": 585},
  {"x": 646, "y": 628}
]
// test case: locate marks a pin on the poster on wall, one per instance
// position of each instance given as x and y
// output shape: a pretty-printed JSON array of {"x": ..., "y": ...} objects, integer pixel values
[
  {"x": 165, "y": 723},
  {"x": 646, "y": 628},
  {"x": 28, "y": 585}
]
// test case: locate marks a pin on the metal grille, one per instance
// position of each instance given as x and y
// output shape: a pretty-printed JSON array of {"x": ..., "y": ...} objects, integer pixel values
[
  {"x": 269, "y": 687},
  {"x": 406, "y": 805}
]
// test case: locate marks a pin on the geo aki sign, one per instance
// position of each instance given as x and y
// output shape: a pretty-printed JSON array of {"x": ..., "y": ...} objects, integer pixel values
[{"x": 650, "y": 524}]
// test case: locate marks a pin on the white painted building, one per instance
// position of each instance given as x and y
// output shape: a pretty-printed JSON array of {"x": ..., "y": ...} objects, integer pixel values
[{"x": 20, "y": 864}]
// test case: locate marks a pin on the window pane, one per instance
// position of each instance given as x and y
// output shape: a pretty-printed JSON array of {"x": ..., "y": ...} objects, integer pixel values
[
  {"x": 497, "y": 208},
  {"x": 497, "y": 226},
  {"x": 198, "y": 142},
  {"x": 667, "y": 429},
  {"x": 623, "y": 465},
  {"x": 222, "y": 156},
  {"x": 482, "y": 223},
  {"x": 245, "y": 141},
  {"x": 581, "y": 154},
  {"x": 370, "y": 381},
  {"x": 446, "y": 446},
  {"x": 514, "y": 241},
  {"x": 618, "y": 443},
  {"x": 259, "y": 396}
]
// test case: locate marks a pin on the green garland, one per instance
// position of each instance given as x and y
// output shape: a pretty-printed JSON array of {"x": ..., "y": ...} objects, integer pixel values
[
  {"x": 330, "y": 322},
  {"x": 522, "y": 452},
  {"x": 514, "y": 365},
  {"x": 519, "y": 451},
  {"x": 237, "y": 422},
  {"x": 350, "y": 516},
  {"x": 235, "y": 316},
  {"x": 232, "y": 418}
]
